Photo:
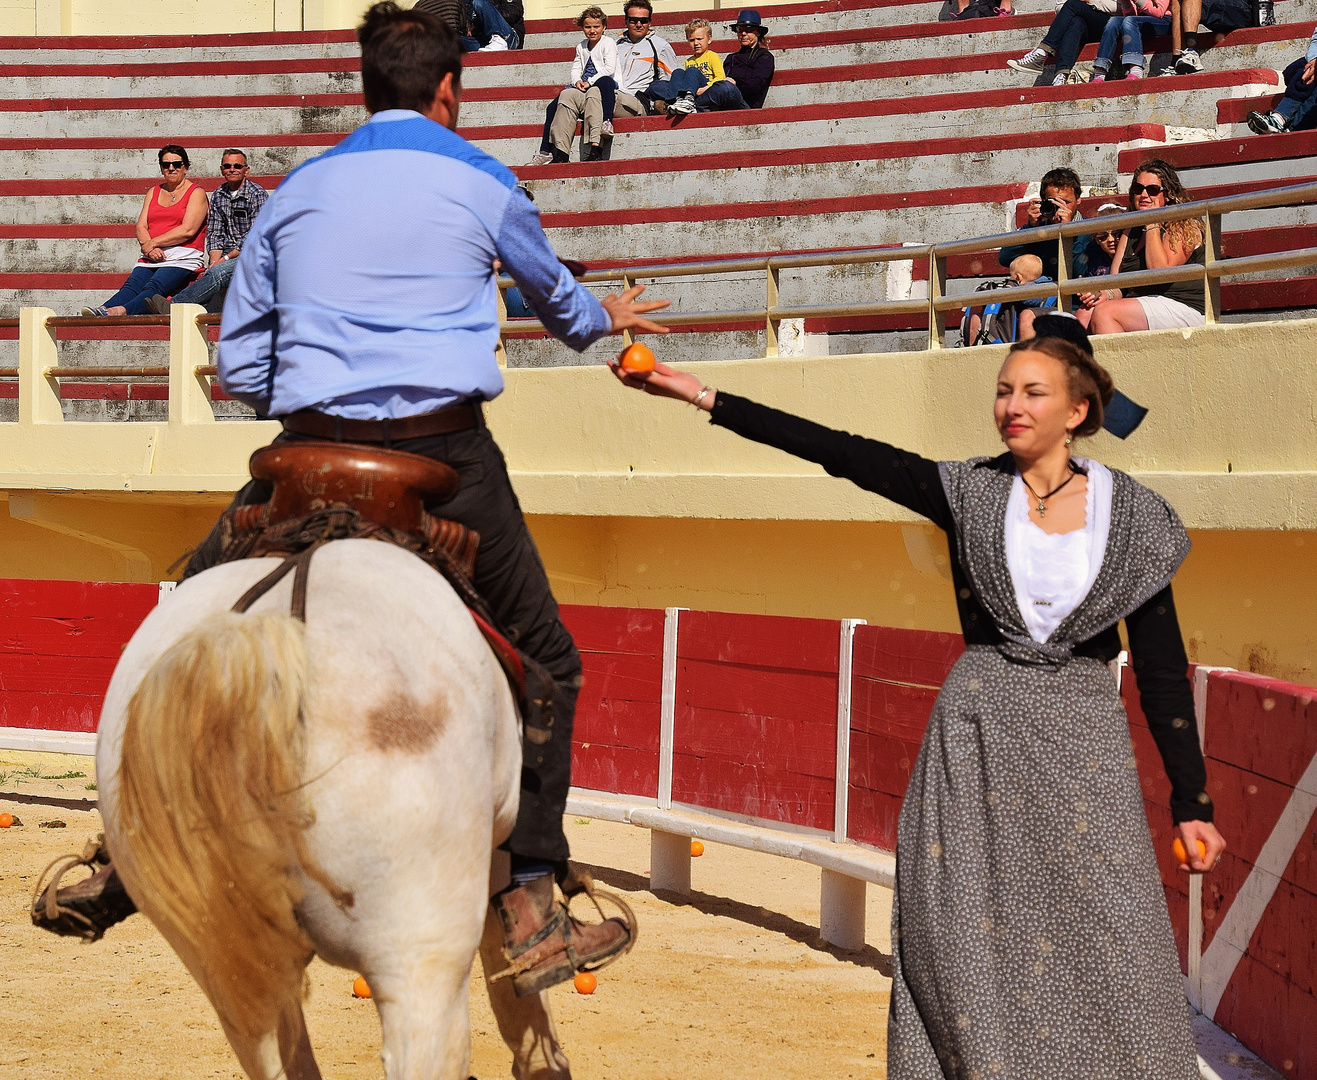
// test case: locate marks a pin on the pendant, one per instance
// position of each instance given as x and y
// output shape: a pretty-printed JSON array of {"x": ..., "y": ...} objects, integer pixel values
[{"x": 1042, "y": 510}]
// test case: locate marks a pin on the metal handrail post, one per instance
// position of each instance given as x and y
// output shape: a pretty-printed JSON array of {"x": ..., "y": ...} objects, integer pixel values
[
  {"x": 1212, "y": 252},
  {"x": 38, "y": 393},
  {"x": 1065, "y": 270},
  {"x": 501, "y": 349},
  {"x": 628, "y": 335},
  {"x": 937, "y": 287},
  {"x": 771, "y": 325}
]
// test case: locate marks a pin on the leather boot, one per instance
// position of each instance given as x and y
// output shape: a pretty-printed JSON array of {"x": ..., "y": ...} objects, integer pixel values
[
  {"x": 545, "y": 945},
  {"x": 87, "y": 908}
]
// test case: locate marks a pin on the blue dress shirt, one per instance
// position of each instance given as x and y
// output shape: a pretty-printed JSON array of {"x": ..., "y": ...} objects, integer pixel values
[{"x": 366, "y": 286}]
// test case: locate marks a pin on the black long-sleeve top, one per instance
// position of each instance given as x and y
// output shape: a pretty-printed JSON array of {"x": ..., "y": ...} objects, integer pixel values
[
  {"x": 752, "y": 70},
  {"x": 1159, "y": 661}
]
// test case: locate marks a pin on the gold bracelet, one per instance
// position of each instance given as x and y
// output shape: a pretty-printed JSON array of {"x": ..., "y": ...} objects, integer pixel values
[{"x": 700, "y": 396}]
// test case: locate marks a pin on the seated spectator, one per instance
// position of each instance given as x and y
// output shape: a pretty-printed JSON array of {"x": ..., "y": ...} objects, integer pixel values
[
  {"x": 1125, "y": 31},
  {"x": 960, "y": 10},
  {"x": 1154, "y": 247},
  {"x": 702, "y": 84},
  {"x": 1076, "y": 24},
  {"x": 171, "y": 231},
  {"x": 750, "y": 69},
  {"x": 1058, "y": 200},
  {"x": 233, "y": 208},
  {"x": 478, "y": 24},
  {"x": 590, "y": 93},
  {"x": 1101, "y": 250},
  {"x": 643, "y": 58},
  {"x": 1025, "y": 270},
  {"x": 1294, "y": 112}
]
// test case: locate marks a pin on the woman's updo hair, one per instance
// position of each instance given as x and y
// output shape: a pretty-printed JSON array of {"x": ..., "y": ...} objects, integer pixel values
[{"x": 1089, "y": 380}]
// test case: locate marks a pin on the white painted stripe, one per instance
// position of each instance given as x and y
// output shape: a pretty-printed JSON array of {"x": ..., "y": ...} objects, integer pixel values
[
  {"x": 166, "y": 587},
  {"x": 1193, "y": 983},
  {"x": 1245, "y": 912},
  {"x": 48, "y": 742},
  {"x": 845, "y": 666},
  {"x": 668, "y": 704}
]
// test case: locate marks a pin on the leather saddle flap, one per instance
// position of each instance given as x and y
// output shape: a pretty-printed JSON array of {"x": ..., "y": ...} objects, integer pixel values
[{"x": 386, "y": 486}]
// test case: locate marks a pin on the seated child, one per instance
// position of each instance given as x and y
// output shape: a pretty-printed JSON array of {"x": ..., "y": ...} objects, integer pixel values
[
  {"x": 1025, "y": 270},
  {"x": 1125, "y": 31},
  {"x": 701, "y": 85}
]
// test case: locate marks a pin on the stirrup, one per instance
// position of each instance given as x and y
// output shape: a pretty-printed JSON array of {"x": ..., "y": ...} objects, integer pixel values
[{"x": 49, "y": 914}]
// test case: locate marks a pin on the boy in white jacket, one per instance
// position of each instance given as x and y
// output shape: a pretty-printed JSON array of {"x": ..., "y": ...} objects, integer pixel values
[{"x": 590, "y": 93}]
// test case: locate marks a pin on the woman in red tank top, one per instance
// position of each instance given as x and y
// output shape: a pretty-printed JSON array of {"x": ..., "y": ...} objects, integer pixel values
[{"x": 171, "y": 231}]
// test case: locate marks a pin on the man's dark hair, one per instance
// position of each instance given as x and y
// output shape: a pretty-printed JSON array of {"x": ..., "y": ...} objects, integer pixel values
[
  {"x": 404, "y": 57},
  {"x": 1059, "y": 179},
  {"x": 649, "y": 8},
  {"x": 173, "y": 148},
  {"x": 241, "y": 153}
]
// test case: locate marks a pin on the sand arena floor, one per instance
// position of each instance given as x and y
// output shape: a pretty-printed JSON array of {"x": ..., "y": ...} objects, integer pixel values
[{"x": 733, "y": 982}]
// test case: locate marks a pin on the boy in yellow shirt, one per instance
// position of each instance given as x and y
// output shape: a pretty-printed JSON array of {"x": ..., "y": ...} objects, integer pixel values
[{"x": 701, "y": 85}]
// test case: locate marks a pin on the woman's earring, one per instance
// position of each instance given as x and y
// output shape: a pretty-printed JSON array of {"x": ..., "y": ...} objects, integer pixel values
[{"x": 1068, "y": 439}]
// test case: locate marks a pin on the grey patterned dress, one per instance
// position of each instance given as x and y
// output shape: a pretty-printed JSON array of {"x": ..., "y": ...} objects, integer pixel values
[
  {"x": 1030, "y": 934},
  {"x": 1030, "y": 931}
]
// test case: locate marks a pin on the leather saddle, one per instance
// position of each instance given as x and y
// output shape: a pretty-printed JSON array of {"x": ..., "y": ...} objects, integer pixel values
[{"x": 389, "y": 487}]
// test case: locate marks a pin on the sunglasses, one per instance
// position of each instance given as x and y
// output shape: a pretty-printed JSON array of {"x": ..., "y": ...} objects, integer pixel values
[
  {"x": 170, "y": 166},
  {"x": 1149, "y": 189},
  {"x": 232, "y": 168},
  {"x": 746, "y": 28},
  {"x": 1106, "y": 236},
  {"x": 643, "y": 20}
]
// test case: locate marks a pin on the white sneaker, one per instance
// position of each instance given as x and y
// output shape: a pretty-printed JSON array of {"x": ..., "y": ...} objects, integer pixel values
[
  {"x": 608, "y": 129},
  {"x": 1034, "y": 60},
  {"x": 1062, "y": 77},
  {"x": 496, "y": 44},
  {"x": 682, "y": 105},
  {"x": 540, "y": 157},
  {"x": 1188, "y": 63}
]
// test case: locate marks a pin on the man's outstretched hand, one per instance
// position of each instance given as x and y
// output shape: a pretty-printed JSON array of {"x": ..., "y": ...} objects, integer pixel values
[{"x": 628, "y": 314}]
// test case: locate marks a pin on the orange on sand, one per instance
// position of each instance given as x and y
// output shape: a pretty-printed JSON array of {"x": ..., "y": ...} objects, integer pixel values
[
  {"x": 360, "y": 988},
  {"x": 1181, "y": 853},
  {"x": 697, "y": 849},
  {"x": 585, "y": 982},
  {"x": 636, "y": 357},
  {"x": 6, "y": 820}
]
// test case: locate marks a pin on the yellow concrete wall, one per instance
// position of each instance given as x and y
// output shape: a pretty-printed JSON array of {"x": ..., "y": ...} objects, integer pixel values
[{"x": 18, "y": 17}]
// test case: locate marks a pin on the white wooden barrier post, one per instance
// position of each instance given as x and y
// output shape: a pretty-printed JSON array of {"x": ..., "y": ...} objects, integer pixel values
[
  {"x": 1194, "y": 952},
  {"x": 189, "y": 393},
  {"x": 669, "y": 854},
  {"x": 842, "y": 898},
  {"x": 38, "y": 394}
]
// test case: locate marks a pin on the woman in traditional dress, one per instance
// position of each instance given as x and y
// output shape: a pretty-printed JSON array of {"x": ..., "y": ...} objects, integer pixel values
[{"x": 1030, "y": 935}]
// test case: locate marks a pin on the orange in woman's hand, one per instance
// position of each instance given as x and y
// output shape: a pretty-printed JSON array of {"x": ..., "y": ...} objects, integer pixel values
[
  {"x": 360, "y": 988},
  {"x": 585, "y": 982},
  {"x": 1181, "y": 853},
  {"x": 636, "y": 357}
]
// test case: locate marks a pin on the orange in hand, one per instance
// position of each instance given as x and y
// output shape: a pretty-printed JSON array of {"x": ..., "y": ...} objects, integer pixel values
[
  {"x": 636, "y": 357},
  {"x": 360, "y": 988},
  {"x": 697, "y": 849},
  {"x": 1182, "y": 854},
  {"x": 585, "y": 982},
  {"x": 6, "y": 820}
]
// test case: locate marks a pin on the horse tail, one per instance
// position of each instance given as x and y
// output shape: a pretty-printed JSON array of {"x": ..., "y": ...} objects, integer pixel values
[{"x": 213, "y": 811}]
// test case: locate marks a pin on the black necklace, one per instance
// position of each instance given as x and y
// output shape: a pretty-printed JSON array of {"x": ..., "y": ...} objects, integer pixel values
[{"x": 1041, "y": 499}]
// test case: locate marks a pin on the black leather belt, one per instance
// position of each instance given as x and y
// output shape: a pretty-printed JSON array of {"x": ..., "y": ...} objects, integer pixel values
[{"x": 444, "y": 421}]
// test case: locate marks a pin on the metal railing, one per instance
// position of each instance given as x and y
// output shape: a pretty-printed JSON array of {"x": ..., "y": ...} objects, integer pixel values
[{"x": 189, "y": 370}]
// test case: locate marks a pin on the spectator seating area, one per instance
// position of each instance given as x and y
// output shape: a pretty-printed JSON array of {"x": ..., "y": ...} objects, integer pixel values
[{"x": 883, "y": 126}]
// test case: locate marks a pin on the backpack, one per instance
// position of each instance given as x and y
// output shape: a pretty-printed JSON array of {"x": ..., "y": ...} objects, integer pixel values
[
  {"x": 978, "y": 9},
  {"x": 1222, "y": 16},
  {"x": 996, "y": 324}
]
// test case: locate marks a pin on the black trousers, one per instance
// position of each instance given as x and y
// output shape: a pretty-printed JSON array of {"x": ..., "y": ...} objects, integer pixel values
[{"x": 511, "y": 579}]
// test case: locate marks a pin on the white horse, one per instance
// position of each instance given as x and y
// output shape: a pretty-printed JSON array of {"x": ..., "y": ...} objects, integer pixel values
[{"x": 273, "y": 791}]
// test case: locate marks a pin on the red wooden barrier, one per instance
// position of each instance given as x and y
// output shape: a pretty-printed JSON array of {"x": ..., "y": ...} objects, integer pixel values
[
  {"x": 1261, "y": 739},
  {"x": 896, "y": 675},
  {"x": 615, "y": 740},
  {"x": 61, "y": 640},
  {"x": 756, "y": 716}
]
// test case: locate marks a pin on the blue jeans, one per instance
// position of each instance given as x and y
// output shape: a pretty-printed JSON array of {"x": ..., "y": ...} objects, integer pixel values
[
  {"x": 1126, "y": 33},
  {"x": 1075, "y": 25},
  {"x": 1300, "y": 98},
  {"x": 214, "y": 282},
  {"x": 145, "y": 282},
  {"x": 721, "y": 95},
  {"x": 485, "y": 22},
  {"x": 682, "y": 81}
]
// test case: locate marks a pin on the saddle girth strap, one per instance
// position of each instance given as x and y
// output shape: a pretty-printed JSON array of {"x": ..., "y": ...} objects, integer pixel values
[{"x": 301, "y": 565}]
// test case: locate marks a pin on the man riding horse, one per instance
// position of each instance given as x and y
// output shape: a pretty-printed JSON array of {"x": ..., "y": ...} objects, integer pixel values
[{"x": 364, "y": 310}]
